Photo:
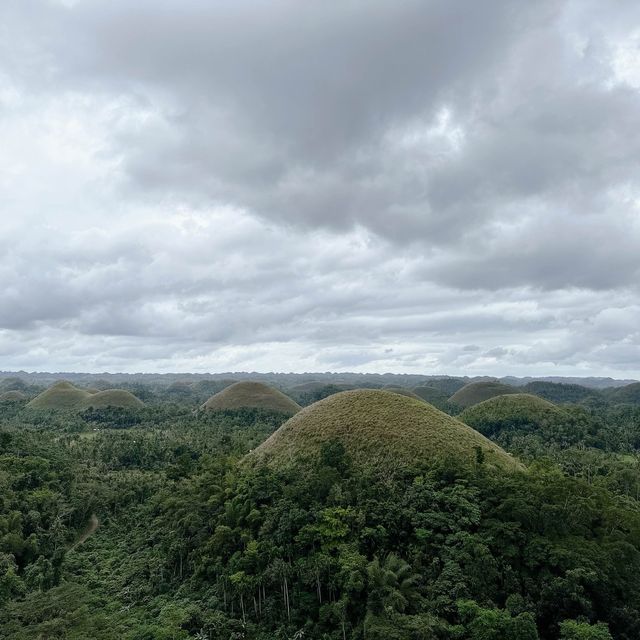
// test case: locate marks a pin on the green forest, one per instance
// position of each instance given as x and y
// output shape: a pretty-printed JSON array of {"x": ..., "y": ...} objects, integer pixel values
[{"x": 517, "y": 517}]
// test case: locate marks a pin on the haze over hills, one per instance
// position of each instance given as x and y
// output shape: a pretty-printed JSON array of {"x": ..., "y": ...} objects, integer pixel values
[{"x": 589, "y": 381}]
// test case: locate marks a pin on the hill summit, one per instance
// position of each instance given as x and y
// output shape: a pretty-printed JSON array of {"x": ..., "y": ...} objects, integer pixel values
[
  {"x": 515, "y": 410},
  {"x": 475, "y": 392},
  {"x": 254, "y": 395},
  {"x": 61, "y": 395},
  {"x": 379, "y": 428}
]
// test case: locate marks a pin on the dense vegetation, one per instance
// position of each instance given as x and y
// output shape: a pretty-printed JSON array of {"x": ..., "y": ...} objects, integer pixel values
[{"x": 140, "y": 523}]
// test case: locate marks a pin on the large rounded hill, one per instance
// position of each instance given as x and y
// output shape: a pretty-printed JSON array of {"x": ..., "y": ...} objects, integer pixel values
[
  {"x": 111, "y": 398},
  {"x": 251, "y": 395},
  {"x": 378, "y": 428},
  {"x": 476, "y": 392},
  {"x": 515, "y": 411},
  {"x": 61, "y": 395}
]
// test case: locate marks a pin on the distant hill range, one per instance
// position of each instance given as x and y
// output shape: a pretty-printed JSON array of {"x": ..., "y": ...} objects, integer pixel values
[
  {"x": 445, "y": 383},
  {"x": 592, "y": 383}
]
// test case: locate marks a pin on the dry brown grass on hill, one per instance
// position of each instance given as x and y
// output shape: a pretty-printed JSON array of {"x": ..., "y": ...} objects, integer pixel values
[
  {"x": 251, "y": 395},
  {"x": 476, "y": 392},
  {"x": 378, "y": 428}
]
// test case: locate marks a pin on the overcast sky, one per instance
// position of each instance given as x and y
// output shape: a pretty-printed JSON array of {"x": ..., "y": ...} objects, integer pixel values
[{"x": 423, "y": 186}]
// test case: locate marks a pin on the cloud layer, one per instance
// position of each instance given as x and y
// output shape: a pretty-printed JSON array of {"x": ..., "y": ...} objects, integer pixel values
[{"x": 379, "y": 186}]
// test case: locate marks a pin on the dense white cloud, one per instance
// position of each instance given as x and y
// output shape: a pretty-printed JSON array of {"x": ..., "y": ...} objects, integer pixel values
[{"x": 436, "y": 187}]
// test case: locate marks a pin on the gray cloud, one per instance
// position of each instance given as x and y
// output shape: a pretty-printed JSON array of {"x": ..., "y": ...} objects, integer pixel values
[{"x": 415, "y": 186}]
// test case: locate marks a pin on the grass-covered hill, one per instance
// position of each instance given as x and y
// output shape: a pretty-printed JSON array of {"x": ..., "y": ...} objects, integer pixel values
[
  {"x": 403, "y": 392},
  {"x": 433, "y": 396},
  {"x": 61, "y": 395},
  {"x": 13, "y": 396},
  {"x": 515, "y": 411},
  {"x": 476, "y": 392},
  {"x": 310, "y": 392},
  {"x": 111, "y": 398},
  {"x": 629, "y": 394},
  {"x": 379, "y": 428},
  {"x": 13, "y": 384},
  {"x": 253, "y": 395},
  {"x": 316, "y": 385},
  {"x": 206, "y": 388},
  {"x": 559, "y": 392},
  {"x": 447, "y": 385},
  {"x": 180, "y": 387}
]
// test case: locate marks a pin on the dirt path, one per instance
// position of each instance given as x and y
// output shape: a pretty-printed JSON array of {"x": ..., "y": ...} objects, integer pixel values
[{"x": 89, "y": 530}]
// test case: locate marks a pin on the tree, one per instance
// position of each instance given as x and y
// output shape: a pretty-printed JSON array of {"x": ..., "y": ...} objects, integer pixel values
[
  {"x": 392, "y": 585},
  {"x": 495, "y": 624},
  {"x": 574, "y": 630}
]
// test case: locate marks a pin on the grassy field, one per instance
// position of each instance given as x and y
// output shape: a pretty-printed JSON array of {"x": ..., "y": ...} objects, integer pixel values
[
  {"x": 253, "y": 395},
  {"x": 380, "y": 428}
]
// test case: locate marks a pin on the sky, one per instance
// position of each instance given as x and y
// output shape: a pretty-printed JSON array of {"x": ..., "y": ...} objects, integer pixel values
[{"x": 419, "y": 186}]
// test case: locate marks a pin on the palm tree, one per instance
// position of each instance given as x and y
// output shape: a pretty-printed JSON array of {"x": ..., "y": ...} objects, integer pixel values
[{"x": 392, "y": 586}]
